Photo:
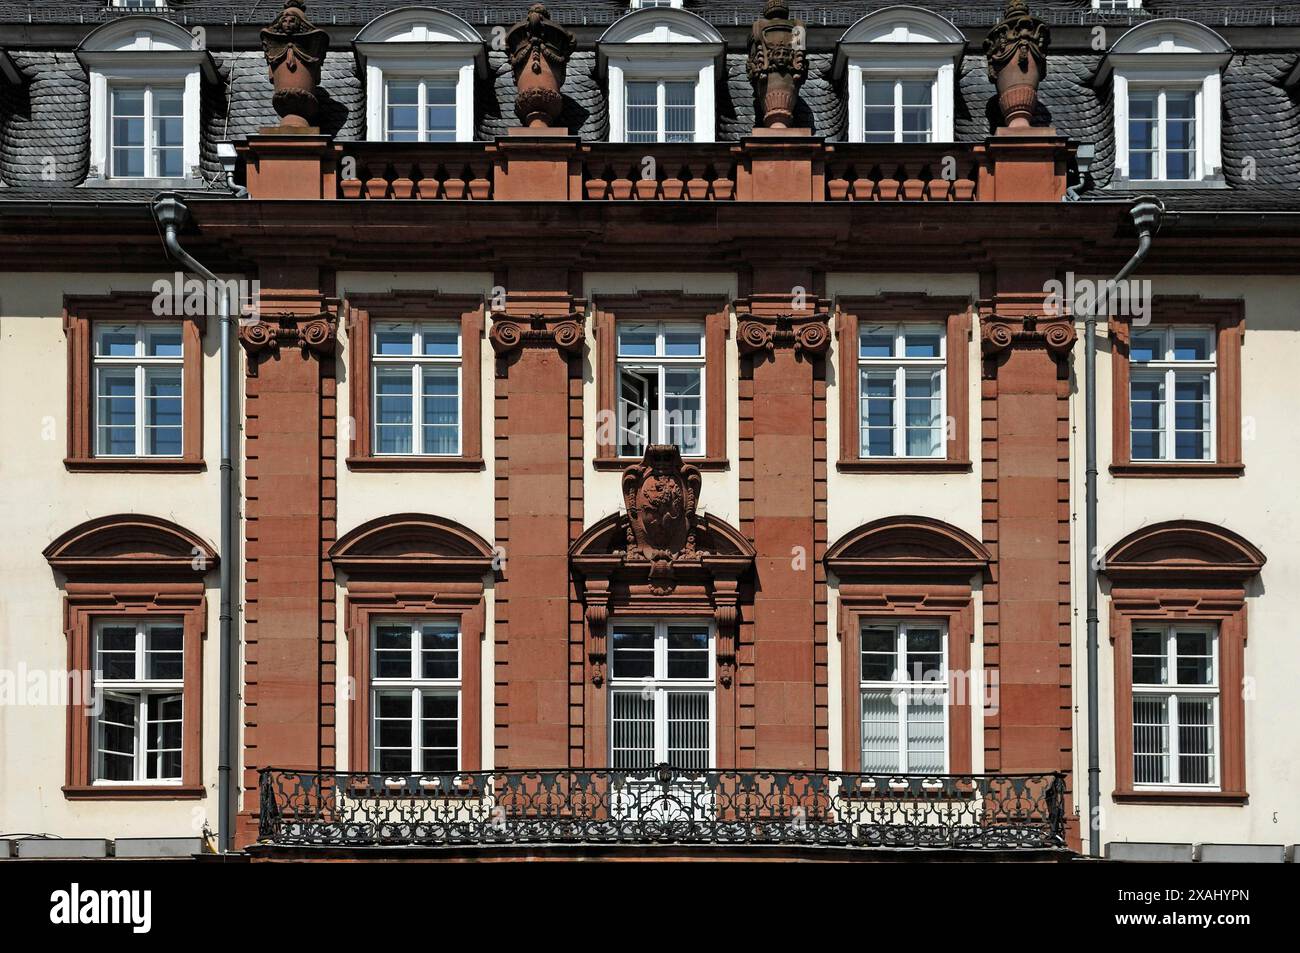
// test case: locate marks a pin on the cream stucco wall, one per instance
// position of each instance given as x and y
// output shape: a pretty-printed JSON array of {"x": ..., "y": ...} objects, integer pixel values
[
  {"x": 1262, "y": 507},
  {"x": 41, "y": 500}
]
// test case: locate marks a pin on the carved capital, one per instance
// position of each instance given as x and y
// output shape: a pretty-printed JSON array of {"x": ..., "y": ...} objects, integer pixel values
[
  {"x": 514, "y": 332},
  {"x": 264, "y": 338},
  {"x": 807, "y": 333},
  {"x": 1000, "y": 334}
]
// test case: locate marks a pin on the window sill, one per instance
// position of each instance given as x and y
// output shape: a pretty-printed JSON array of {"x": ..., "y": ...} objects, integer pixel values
[
  {"x": 416, "y": 464},
  {"x": 901, "y": 465},
  {"x": 1205, "y": 798},
  {"x": 612, "y": 464},
  {"x": 1173, "y": 470},
  {"x": 127, "y": 792},
  {"x": 134, "y": 465}
]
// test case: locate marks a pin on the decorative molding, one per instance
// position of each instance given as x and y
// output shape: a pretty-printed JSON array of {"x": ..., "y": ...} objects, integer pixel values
[
  {"x": 510, "y": 332},
  {"x": 1016, "y": 49},
  {"x": 768, "y": 322},
  {"x": 899, "y": 547},
  {"x": 777, "y": 66},
  {"x": 1179, "y": 551},
  {"x": 539, "y": 52},
  {"x": 275, "y": 331},
  {"x": 131, "y": 545},
  {"x": 660, "y": 495},
  {"x": 1000, "y": 333},
  {"x": 295, "y": 51},
  {"x": 412, "y": 546}
]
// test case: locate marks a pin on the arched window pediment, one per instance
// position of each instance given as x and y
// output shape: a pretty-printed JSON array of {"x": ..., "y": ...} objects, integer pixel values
[
  {"x": 903, "y": 24},
  {"x": 147, "y": 547},
  {"x": 413, "y": 544},
  {"x": 907, "y": 545},
  {"x": 138, "y": 34},
  {"x": 1185, "y": 551},
  {"x": 661, "y": 25},
  {"x": 1171, "y": 35},
  {"x": 417, "y": 24}
]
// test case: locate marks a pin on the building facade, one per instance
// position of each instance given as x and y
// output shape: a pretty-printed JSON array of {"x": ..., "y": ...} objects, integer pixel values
[{"x": 651, "y": 428}]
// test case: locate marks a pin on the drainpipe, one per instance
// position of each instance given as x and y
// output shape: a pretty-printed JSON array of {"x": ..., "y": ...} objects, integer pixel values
[
  {"x": 1147, "y": 214},
  {"x": 171, "y": 215}
]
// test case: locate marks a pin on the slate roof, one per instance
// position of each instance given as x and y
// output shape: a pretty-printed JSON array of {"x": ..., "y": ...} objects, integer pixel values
[{"x": 44, "y": 123}]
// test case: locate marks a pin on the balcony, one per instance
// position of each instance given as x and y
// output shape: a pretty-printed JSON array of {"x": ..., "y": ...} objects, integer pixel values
[{"x": 303, "y": 812}]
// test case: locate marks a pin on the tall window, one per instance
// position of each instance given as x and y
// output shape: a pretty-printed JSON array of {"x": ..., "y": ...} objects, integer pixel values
[
  {"x": 902, "y": 368},
  {"x": 898, "y": 110},
  {"x": 139, "y": 670},
  {"x": 138, "y": 399},
  {"x": 661, "y": 386},
  {"x": 1175, "y": 705},
  {"x": 417, "y": 388},
  {"x": 415, "y": 681},
  {"x": 420, "y": 110},
  {"x": 661, "y": 695},
  {"x": 904, "y": 698},
  {"x": 1162, "y": 134},
  {"x": 1171, "y": 394},
  {"x": 147, "y": 136},
  {"x": 660, "y": 111}
]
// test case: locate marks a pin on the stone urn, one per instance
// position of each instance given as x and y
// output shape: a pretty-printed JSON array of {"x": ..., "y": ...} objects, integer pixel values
[
  {"x": 539, "y": 52},
  {"x": 295, "y": 50},
  {"x": 777, "y": 65},
  {"x": 1017, "y": 62}
]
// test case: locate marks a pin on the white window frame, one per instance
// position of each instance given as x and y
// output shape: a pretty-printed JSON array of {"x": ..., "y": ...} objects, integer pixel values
[
  {"x": 142, "y": 364},
  {"x": 151, "y": 51},
  {"x": 417, "y": 686},
  {"x": 1170, "y": 692},
  {"x": 1170, "y": 369},
  {"x": 1160, "y": 157},
  {"x": 901, "y": 365},
  {"x": 660, "y": 364},
  {"x": 423, "y": 80},
  {"x": 661, "y": 104},
  {"x": 416, "y": 362},
  {"x": 419, "y": 43},
  {"x": 150, "y": 146},
  {"x": 142, "y": 688},
  {"x": 660, "y": 685},
  {"x": 649, "y": 4},
  {"x": 877, "y": 76},
  {"x": 903, "y": 685},
  {"x": 1115, "y": 6},
  {"x": 139, "y": 4}
]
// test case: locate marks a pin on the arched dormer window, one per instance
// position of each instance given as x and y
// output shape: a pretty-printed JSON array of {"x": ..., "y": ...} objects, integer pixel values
[
  {"x": 420, "y": 66},
  {"x": 662, "y": 67},
  {"x": 1167, "y": 88},
  {"x": 900, "y": 68},
  {"x": 145, "y": 77}
]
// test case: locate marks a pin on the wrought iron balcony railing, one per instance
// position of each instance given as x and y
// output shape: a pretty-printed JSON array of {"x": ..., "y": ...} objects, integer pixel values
[{"x": 662, "y": 807}]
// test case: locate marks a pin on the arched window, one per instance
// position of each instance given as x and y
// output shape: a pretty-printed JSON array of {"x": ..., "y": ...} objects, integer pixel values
[
  {"x": 415, "y": 621},
  {"x": 135, "y": 613},
  {"x": 145, "y": 74},
  {"x": 906, "y": 621},
  {"x": 1178, "y": 627},
  {"x": 420, "y": 66},
  {"x": 1166, "y": 81},
  {"x": 900, "y": 65},
  {"x": 662, "y": 66}
]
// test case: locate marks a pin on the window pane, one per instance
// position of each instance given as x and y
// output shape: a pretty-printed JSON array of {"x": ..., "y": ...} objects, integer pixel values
[
  {"x": 393, "y": 411},
  {"x": 163, "y": 738},
  {"x": 403, "y": 111},
  {"x": 637, "y": 340},
  {"x": 163, "y": 412},
  {"x": 878, "y": 413},
  {"x": 1150, "y": 663},
  {"x": 1196, "y": 740},
  {"x": 688, "y": 730},
  {"x": 115, "y": 410},
  {"x": 440, "y": 653},
  {"x": 642, "y": 112},
  {"x": 632, "y": 730},
  {"x": 927, "y": 342},
  {"x": 1146, "y": 348},
  {"x": 1195, "y": 658},
  {"x": 163, "y": 342},
  {"x": 165, "y": 650},
  {"x": 683, "y": 340},
  {"x": 114, "y": 342},
  {"x": 880, "y": 747},
  {"x": 116, "y": 659},
  {"x": 439, "y": 731},
  {"x": 393, "y": 731},
  {"x": 392, "y": 651},
  {"x": 879, "y": 653},
  {"x": 116, "y": 738},
  {"x": 879, "y": 92},
  {"x": 1150, "y": 739},
  {"x": 441, "y": 340},
  {"x": 688, "y": 652},
  {"x": 679, "y": 113},
  {"x": 925, "y": 731},
  {"x": 394, "y": 342},
  {"x": 1192, "y": 345},
  {"x": 633, "y": 653},
  {"x": 924, "y": 654},
  {"x": 683, "y": 419},
  {"x": 876, "y": 342},
  {"x": 924, "y": 414},
  {"x": 637, "y": 394},
  {"x": 441, "y": 410}
]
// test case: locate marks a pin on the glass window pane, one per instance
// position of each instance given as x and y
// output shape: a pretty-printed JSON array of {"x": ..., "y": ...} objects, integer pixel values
[
  {"x": 116, "y": 657},
  {"x": 880, "y": 746},
  {"x": 689, "y": 730},
  {"x": 1192, "y": 345},
  {"x": 165, "y": 652},
  {"x": 924, "y": 654},
  {"x": 394, "y": 342},
  {"x": 441, "y": 340},
  {"x": 879, "y": 92},
  {"x": 917, "y": 93},
  {"x": 440, "y": 653},
  {"x": 683, "y": 419},
  {"x": 392, "y": 651},
  {"x": 923, "y": 342},
  {"x": 163, "y": 342},
  {"x": 1195, "y": 658},
  {"x": 688, "y": 652},
  {"x": 925, "y": 732},
  {"x": 633, "y": 653},
  {"x": 683, "y": 340},
  {"x": 879, "y": 653},
  {"x": 876, "y": 342},
  {"x": 1150, "y": 739},
  {"x": 114, "y": 341},
  {"x": 393, "y": 411},
  {"x": 1150, "y": 661},
  {"x": 632, "y": 730},
  {"x": 1196, "y": 748},
  {"x": 679, "y": 112},
  {"x": 637, "y": 340}
]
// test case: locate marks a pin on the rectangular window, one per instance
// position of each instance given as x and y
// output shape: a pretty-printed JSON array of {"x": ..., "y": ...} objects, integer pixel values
[
  {"x": 898, "y": 110},
  {"x": 415, "y": 704},
  {"x": 661, "y": 695},
  {"x": 660, "y": 111},
  {"x": 1171, "y": 394},
  {"x": 904, "y": 698},
  {"x": 1175, "y": 705},
  {"x": 138, "y": 390},
  {"x": 661, "y": 386},
  {"x": 139, "y": 675},
  {"x": 420, "y": 110},
  {"x": 902, "y": 370},
  {"x": 417, "y": 388},
  {"x": 147, "y": 132},
  {"x": 1162, "y": 134}
]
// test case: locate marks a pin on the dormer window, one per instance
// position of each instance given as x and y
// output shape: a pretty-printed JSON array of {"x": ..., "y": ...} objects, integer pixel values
[
  {"x": 1166, "y": 77},
  {"x": 662, "y": 67},
  {"x": 420, "y": 66},
  {"x": 643, "y": 4},
  {"x": 899, "y": 65},
  {"x": 145, "y": 80},
  {"x": 140, "y": 4},
  {"x": 1116, "y": 6}
]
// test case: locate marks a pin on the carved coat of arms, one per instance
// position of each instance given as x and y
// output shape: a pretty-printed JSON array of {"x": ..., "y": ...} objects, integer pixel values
[{"x": 660, "y": 494}]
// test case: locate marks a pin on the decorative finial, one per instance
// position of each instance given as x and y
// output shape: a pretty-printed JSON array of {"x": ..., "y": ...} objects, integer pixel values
[
  {"x": 539, "y": 52},
  {"x": 1017, "y": 56},
  {"x": 777, "y": 64},
  {"x": 295, "y": 50}
]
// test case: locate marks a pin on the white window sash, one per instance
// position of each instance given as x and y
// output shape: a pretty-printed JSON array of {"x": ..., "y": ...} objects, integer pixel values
[
  {"x": 1160, "y": 132},
  {"x": 140, "y": 363},
  {"x": 150, "y": 145},
  {"x": 417, "y": 687},
  {"x": 139, "y": 690},
  {"x": 898, "y": 79},
  {"x": 900, "y": 366},
  {"x": 904, "y": 686},
  {"x": 1171, "y": 692},
  {"x": 1168, "y": 370},
  {"x": 656, "y": 428},
  {"x": 417, "y": 363}
]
